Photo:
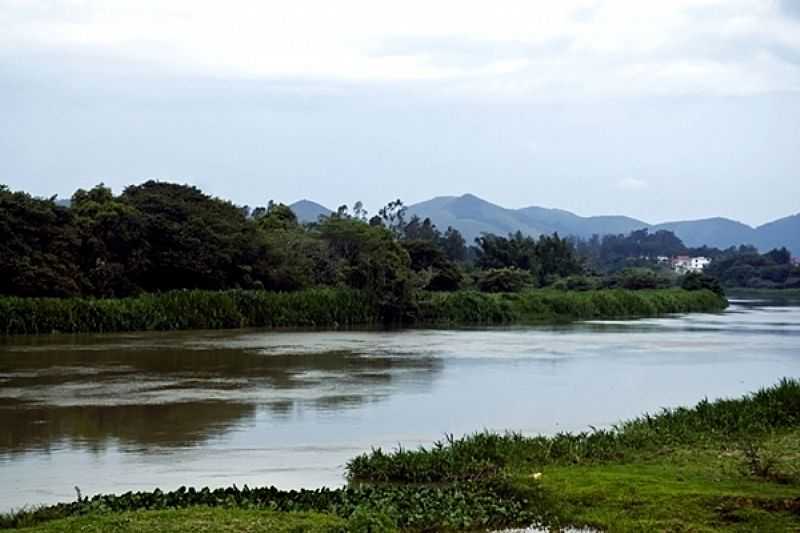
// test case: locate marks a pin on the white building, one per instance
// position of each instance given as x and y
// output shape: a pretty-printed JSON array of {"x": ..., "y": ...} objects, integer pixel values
[{"x": 683, "y": 264}]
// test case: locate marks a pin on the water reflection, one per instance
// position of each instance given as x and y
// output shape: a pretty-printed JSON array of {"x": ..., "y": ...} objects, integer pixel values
[
  {"x": 144, "y": 392},
  {"x": 134, "y": 428}
]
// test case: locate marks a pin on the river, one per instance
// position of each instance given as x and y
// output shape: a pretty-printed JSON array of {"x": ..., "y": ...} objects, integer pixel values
[{"x": 112, "y": 413}]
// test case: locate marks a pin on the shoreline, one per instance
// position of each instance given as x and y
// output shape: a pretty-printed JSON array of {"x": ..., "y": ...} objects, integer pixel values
[
  {"x": 331, "y": 309},
  {"x": 724, "y": 465}
]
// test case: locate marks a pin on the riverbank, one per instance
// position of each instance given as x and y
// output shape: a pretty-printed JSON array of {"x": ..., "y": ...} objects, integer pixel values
[
  {"x": 727, "y": 465},
  {"x": 331, "y": 308},
  {"x": 778, "y": 296}
]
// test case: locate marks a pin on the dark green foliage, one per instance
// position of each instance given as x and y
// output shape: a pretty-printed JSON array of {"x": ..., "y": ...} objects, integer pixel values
[
  {"x": 195, "y": 241},
  {"x": 483, "y": 455},
  {"x": 445, "y": 276},
  {"x": 578, "y": 283},
  {"x": 504, "y": 280},
  {"x": 178, "y": 310},
  {"x": 327, "y": 307},
  {"x": 465, "y": 307},
  {"x": 370, "y": 259},
  {"x": 697, "y": 281},
  {"x": 454, "y": 245},
  {"x": 453, "y": 508},
  {"x": 39, "y": 247},
  {"x": 635, "y": 279},
  {"x": 162, "y": 237},
  {"x": 772, "y": 270},
  {"x": 545, "y": 259},
  {"x": 611, "y": 253}
]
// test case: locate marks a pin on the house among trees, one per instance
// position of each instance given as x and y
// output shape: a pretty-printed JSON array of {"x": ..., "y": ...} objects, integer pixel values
[{"x": 683, "y": 264}]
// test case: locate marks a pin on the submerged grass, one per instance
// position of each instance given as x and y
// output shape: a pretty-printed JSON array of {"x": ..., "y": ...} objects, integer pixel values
[{"x": 330, "y": 307}]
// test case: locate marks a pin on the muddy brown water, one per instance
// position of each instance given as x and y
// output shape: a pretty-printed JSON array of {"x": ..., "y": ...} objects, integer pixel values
[{"x": 111, "y": 413}]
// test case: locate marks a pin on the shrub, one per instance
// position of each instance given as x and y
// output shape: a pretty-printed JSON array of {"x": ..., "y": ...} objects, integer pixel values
[
  {"x": 504, "y": 280},
  {"x": 696, "y": 281}
]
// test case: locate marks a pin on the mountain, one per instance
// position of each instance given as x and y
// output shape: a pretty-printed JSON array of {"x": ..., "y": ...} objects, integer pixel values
[
  {"x": 782, "y": 232},
  {"x": 717, "y": 232},
  {"x": 308, "y": 211},
  {"x": 473, "y": 216}
]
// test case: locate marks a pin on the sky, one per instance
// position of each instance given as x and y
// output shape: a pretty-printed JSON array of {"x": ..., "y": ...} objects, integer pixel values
[{"x": 657, "y": 110}]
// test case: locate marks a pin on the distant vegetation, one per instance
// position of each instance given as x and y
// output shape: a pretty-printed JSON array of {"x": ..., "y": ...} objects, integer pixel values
[
  {"x": 474, "y": 216},
  {"x": 333, "y": 307},
  {"x": 157, "y": 238},
  {"x": 772, "y": 270},
  {"x": 725, "y": 465}
]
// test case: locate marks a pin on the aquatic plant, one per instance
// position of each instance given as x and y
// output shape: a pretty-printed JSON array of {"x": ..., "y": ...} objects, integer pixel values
[
  {"x": 332, "y": 307},
  {"x": 455, "y": 507}
]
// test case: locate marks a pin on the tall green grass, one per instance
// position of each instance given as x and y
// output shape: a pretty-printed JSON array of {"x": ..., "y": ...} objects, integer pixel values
[
  {"x": 483, "y": 455},
  {"x": 178, "y": 310},
  {"x": 330, "y": 307},
  {"x": 467, "y": 307}
]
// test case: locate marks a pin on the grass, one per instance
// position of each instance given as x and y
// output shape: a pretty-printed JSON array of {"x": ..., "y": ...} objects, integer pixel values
[
  {"x": 195, "y": 520},
  {"x": 550, "y": 305},
  {"x": 329, "y": 307},
  {"x": 726, "y": 465},
  {"x": 701, "y": 488}
]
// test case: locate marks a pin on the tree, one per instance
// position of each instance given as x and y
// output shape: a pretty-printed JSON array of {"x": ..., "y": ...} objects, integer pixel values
[
  {"x": 39, "y": 247},
  {"x": 454, "y": 245},
  {"x": 195, "y": 241},
  {"x": 277, "y": 216},
  {"x": 114, "y": 249},
  {"x": 369, "y": 258},
  {"x": 393, "y": 215},
  {"x": 695, "y": 281},
  {"x": 504, "y": 280}
]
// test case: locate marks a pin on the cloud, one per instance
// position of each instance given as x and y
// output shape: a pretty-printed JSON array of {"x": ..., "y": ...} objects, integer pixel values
[
  {"x": 790, "y": 7},
  {"x": 527, "y": 48},
  {"x": 631, "y": 184}
]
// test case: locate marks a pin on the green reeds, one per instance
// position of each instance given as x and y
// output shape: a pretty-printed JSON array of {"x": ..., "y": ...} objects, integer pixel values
[
  {"x": 332, "y": 307},
  {"x": 180, "y": 310},
  {"x": 547, "y": 305},
  {"x": 481, "y": 455}
]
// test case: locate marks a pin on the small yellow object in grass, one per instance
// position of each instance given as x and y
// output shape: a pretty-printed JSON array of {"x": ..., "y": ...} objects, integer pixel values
[{"x": 537, "y": 475}]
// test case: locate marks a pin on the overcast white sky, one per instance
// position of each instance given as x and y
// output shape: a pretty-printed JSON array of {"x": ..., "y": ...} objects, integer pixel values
[{"x": 659, "y": 110}]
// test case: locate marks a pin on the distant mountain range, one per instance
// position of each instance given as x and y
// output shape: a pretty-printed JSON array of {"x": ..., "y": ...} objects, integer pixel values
[{"x": 472, "y": 216}]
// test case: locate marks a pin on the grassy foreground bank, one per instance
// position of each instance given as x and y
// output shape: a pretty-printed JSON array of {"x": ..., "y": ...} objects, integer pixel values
[
  {"x": 727, "y": 465},
  {"x": 181, "y": 310}
]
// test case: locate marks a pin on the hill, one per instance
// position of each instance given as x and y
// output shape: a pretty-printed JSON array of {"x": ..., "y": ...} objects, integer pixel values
[
  {"x": 718, "y": 232},
  {"x": 308, "y": 211},
  {"x": 473, "y": 216},
  {"x": 782, "y": 232}
]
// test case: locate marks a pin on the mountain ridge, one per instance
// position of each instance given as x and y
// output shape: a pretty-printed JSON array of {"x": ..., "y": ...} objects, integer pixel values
[{"x": 473, "y": 215}]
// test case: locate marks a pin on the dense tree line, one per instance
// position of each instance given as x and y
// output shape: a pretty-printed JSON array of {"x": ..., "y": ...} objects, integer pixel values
[
  {"x": 641, "y": 249},
  {"x": 772, "y": 270},
  {"x": 158, "y": 236}
]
